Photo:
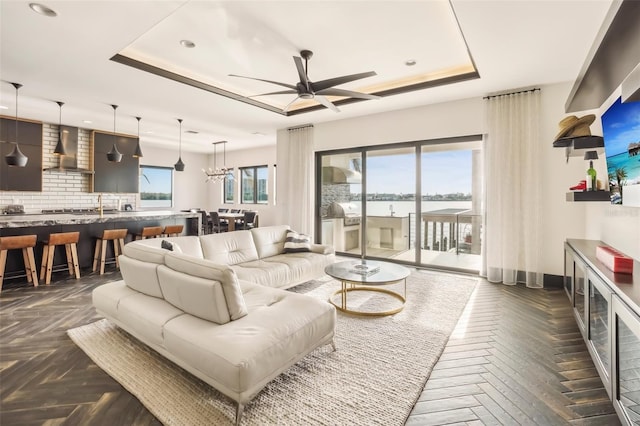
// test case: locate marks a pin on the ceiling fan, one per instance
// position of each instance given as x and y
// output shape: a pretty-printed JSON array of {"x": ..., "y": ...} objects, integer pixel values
[{"x": 306, "y": 89}]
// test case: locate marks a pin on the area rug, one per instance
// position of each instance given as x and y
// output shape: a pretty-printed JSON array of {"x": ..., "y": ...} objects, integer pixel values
[{"x": 373, "y": 378}]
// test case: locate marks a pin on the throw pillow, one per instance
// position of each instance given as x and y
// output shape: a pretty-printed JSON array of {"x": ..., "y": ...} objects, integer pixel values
[
  {"x": 168, "y": 245},
  {"x": 295, "y": 243}
]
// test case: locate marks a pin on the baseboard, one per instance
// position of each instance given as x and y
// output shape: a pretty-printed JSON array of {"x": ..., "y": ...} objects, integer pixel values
[{"x": 553, "y": 281}]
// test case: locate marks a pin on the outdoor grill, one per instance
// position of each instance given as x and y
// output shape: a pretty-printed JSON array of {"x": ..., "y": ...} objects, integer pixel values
[{"x": 349, "y": 212}]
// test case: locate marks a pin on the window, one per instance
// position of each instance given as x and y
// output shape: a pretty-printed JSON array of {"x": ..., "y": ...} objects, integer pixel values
[
  {"x": 229, "y": 185},
  {"x": 156, "y": 186},
  {"x": 253, "y": 185}
]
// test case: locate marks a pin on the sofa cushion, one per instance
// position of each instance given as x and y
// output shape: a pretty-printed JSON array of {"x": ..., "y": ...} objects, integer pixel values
[
  {"x": 146, "y": 316},
  {"x": 188, "y": 245},
  {"x": 208, "y": 270},
  {"x": 141, "y": 275},
  {"x": 107, "y": 297},
  {"x": 229, "y": 248},
  {"x": 249, "y": 352},
  {"x": 269, "y": 240},
  {"x": 263, "y": 272},
  {"x": 295, "y": 242},
  {"x": 197, "y": 296}
]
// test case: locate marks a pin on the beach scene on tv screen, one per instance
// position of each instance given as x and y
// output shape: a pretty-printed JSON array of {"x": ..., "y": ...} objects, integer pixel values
[{"x": 621, "y": 132}]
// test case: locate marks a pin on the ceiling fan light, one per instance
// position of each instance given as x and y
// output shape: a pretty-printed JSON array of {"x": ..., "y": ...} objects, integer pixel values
[{"x": 16, "y": 158}]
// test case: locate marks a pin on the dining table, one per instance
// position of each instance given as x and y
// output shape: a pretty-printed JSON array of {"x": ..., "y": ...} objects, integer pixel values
[{"x": 231, "y": 218}]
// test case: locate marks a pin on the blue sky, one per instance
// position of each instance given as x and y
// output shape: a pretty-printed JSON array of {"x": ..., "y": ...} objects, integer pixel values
[
  {"x": 442, "y": 173},
  {"x": 620, "y": 127},
  {"x": 159, "y": 180}
]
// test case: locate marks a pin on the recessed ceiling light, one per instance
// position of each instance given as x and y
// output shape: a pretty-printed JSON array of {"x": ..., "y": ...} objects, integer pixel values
[
  {"x": 149, "y": 132},
  {"x": 42, "y": 9},
  {"x": 192, "y": 132},
  {"x": 258, "y": 134},
  {"x": 410, "y": 62},
  {"x": 188, "y": 44},
  {"x": 87, "y": 121}
]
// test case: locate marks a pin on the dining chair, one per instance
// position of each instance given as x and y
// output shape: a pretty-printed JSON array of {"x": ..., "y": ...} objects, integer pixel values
[
  {"x": 217, "y": 225},
  {"x": 249, "y": 220},
  {"x": 206, "y": 226}
]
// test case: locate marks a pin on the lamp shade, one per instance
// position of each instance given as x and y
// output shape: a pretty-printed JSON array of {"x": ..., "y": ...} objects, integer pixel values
[
  {"x": 114, "y": 156},
  {"x": 591, "y": 155},
  {"x": 138, "y": 152},
  {"x": 59, "y": 150},
  {"x": 179, "y": 166},
  {"x": 16, "y": 158}
]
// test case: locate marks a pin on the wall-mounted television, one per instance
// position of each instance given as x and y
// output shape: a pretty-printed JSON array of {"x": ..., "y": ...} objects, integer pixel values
[{"x": 621, "y": 132}]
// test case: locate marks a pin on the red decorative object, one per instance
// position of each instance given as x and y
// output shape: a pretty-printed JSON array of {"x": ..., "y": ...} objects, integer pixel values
[
  {"x": 614, "y": 260},
  {"x": 582, "y": 186}
]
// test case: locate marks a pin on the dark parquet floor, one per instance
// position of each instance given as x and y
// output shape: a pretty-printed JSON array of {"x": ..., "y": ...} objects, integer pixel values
[{"x": 516, "y": 357}]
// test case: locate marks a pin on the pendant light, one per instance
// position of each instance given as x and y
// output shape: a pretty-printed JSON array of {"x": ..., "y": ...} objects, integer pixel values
[
  {"x": 114, "y": 156},
  {"x": 16, "y": 158},
  {"x": 138, "y": 152},
  {"x": 179, "y": 166},
  {"x": 216, "y": 174},
  {"x": 60, "y": 146}
]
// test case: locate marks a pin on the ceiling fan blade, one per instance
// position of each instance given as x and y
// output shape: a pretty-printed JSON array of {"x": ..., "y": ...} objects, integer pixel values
[
  {"x": 281, "y": 92},
  {"x": 290, "y": 86},
  {"x": 301, "y": 73},
  {"x": 336, "y": 81},
  {"x": 324, "y": 101},
  {"x": 349, "y": 93},
  {"x": 285, "y": 109}
]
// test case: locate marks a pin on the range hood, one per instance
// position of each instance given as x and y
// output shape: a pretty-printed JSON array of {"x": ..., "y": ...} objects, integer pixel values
[{"x": 339, "y": 175}]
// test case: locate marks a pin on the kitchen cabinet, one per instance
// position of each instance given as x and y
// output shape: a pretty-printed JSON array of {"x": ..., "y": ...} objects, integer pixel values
[
  {"x": 122, "y": 177},
  {"x": 626, "y": 365},
  {"x": 28, "y": 178}
]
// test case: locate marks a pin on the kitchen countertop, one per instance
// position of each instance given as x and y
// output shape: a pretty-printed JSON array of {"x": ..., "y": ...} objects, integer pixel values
[{"x": 39, "y": 219}]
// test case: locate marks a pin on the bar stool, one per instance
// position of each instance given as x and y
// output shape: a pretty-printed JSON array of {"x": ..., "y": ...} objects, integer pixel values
[
  {"x": 26, "y": 243},
  {"x": 149, "y": 232},
  {"x": 115, "y": 235},
  {"x": 70, "y": 241},
  {"x": 172, "y": 230}
]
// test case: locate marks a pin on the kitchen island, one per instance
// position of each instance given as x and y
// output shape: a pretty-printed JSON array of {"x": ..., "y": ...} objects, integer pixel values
[{"x": 90, "y": 224}]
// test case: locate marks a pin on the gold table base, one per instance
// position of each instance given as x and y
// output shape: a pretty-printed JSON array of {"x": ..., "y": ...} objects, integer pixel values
[{"x": 346, "y": 289}]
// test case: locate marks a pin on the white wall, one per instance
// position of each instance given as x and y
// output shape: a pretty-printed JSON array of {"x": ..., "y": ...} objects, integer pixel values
[
  {"x": 189, "y": 189},
  {"x": 561, "y": 219}
]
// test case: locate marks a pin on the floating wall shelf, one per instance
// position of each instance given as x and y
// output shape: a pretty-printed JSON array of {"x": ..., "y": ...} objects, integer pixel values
[
  {"x": 589, "y": 196},
  {"x": 69, "y": 170},
  {"x": 572, "y": 145}
]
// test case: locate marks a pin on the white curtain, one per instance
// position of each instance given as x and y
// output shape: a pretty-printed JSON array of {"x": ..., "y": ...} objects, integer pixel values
[
  {"x": 300, "y": 187},
  {"x": 512, "y": 243}
]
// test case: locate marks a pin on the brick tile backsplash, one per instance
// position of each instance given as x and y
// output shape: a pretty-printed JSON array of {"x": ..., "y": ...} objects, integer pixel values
[{"x": 62, "y": 190}]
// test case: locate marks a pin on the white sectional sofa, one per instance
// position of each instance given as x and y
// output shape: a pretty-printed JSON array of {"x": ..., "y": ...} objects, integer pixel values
[{"x": 210, "y": 306}]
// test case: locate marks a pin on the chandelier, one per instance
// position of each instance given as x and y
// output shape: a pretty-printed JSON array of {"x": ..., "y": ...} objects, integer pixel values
[{"x": 217, "y": 174}]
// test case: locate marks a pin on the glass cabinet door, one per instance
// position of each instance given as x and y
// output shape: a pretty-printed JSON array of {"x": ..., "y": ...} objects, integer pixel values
[
  {"x": 626, "y": 362},
  {"x": 568, "y": 272},
  {"x": 579, "y": 299},
  {"x": 599, "y": 327}
]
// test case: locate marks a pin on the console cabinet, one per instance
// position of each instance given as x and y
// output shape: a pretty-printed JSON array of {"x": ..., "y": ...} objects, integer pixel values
[{"x": 607, "y": 310}]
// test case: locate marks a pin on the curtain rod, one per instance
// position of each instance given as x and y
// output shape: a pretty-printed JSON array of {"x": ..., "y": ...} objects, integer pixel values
[
  {"x": 302, "y": 126},
  {"x": 512, "y": 93}
]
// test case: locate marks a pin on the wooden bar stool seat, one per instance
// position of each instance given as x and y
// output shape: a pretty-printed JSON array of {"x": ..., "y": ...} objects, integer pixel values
[
  {"x": 172, "y": 230},
  {"x": 149, "y": 232},
  {"x": 26, "y": 243},
  {"x": 70, "y": 241},
  {"x": 115, "y": 235}
]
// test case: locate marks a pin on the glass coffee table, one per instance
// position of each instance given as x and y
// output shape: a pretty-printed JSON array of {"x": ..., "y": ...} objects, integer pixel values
[{"x": 367, "y": 275}]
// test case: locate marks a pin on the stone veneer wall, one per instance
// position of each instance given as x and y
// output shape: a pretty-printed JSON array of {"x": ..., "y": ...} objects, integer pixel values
[
  {"x": 62, "y": 190},
  {"x": 339, "y": 193}
]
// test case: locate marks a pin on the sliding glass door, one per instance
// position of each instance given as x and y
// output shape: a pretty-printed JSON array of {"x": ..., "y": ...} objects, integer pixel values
[{"x": 416, "y": 203}]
